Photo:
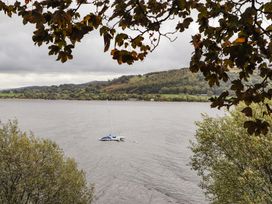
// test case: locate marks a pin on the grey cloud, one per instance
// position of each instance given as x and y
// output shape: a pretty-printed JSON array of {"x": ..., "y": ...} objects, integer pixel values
[{"x": 19, "y": 55}]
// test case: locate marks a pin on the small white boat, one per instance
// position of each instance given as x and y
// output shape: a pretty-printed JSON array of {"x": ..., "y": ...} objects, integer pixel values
[{"x": 112, "y": 138}]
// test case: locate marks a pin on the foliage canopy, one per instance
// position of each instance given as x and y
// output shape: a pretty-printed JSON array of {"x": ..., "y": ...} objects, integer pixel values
[
  {"x": 35, "y": 171},
  {"x": 235, "y": 167},
  {"x": 232, "y": 35}
]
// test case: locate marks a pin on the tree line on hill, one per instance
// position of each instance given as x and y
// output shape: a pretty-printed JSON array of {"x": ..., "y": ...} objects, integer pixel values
[{"x": 172, "y": 85}]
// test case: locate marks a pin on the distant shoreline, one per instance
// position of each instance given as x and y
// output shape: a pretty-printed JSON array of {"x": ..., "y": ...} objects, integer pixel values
[{"x": 149, "y": 98}]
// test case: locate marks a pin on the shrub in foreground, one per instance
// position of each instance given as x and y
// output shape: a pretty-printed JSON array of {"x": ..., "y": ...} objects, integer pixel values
[
  {"x": 35, "y": 170},
  {"x": 235, "y": 167}
]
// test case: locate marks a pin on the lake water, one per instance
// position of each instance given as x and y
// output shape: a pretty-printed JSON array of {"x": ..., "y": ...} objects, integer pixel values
[{"x": 150, "y": 167}]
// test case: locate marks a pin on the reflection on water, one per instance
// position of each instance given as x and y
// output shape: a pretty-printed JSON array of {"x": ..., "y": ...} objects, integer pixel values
[{"x": 150, "y": 167}]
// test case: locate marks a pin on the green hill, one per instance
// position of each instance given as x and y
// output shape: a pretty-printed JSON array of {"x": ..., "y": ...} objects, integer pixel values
[
  {"x": 172, "y": 85},
  {"x": 180, "y": 81}
]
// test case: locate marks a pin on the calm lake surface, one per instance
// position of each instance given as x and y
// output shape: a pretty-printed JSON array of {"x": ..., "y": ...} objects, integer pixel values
[{"x": 150, "y": 167}]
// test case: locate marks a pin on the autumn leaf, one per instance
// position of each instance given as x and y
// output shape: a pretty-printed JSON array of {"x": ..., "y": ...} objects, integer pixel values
[
  {"x": 197, "y": 41},
  {"x": 240, "y": 40},
  {"x": 227, "y": 44}
]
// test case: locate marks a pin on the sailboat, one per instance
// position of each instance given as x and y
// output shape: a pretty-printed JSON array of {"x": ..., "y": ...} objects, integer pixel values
[{"x": 111, "y": 137}]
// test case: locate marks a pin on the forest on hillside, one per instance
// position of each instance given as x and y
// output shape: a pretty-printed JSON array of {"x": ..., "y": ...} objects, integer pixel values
[{"x": 172, "y": 85}]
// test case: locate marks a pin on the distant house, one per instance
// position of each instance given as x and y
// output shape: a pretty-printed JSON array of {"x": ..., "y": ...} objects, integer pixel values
[{"x": 133, "y": 99}]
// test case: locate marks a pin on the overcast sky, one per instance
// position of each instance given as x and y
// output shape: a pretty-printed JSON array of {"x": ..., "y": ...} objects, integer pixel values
[{"x": 24, "y": 64}]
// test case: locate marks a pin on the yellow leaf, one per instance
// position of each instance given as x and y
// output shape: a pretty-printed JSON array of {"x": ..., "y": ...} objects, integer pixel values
[{"x": 240, "y": 40}]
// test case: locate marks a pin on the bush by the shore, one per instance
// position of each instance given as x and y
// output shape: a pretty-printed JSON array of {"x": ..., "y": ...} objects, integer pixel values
[{"x": 35, "y": 170}]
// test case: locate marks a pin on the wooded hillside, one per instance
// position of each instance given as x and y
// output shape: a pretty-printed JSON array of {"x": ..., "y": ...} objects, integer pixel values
[{"x": 172, "y": 85}]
